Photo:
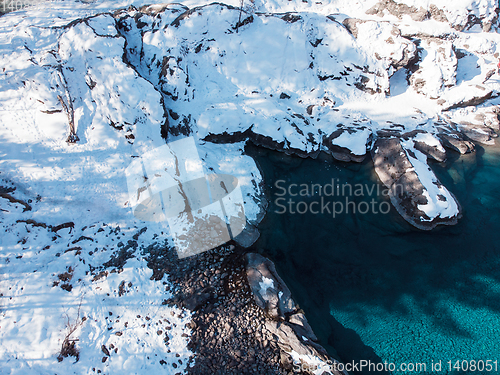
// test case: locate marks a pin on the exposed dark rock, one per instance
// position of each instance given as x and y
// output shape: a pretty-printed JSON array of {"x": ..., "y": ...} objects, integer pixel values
[
  {"x": 361, "y": 84},
  {"x": 57, "y": 228},
  {"x": 269, "y": 290},
  {"x": 228, "y": 329},
  {"x": 105, "y": 350},
  {"x": 157, "y": 9},
  {"x": 490, "y": 74},
  {"x": 351, "y": 24},
  {"x": 430, "y": 151},
  {"x": 11, "y": 199},
  {"x": 231, "y": 333},
  {"x": 248, "y": 236},
  {"x": 388, "y": 133},
  {"x": 197, "y": 299},
  {"x": 478, "y": 133},
  {"x": 246, "y": 21},
  {"x": 119, "y": 259},
  {"x": 32, "y": 222},
  {"x": 396, "y": 172},
  {"x": 260, "y": 140},
  {"x": 287, "y": 325},
  {"x": 82, "y": 238},
  {"x": 473, "y": 20},
  {"x": 456, "y": 142},
  {"x": 420, "y": 15},
  {"x": 300, "y": 325},
  {"x": 344, "y": 154},
  {"x": 290, "y": 17},
  {"x": 287, "y": 338},
  {"x": 437, "y": 14}
]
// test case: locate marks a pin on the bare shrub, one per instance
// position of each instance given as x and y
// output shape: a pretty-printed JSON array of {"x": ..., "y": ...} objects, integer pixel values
[{"x": 68, "y": 347}]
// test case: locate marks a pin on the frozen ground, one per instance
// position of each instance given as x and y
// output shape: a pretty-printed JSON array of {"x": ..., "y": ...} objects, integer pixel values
[{"x": 331, "y": 76}]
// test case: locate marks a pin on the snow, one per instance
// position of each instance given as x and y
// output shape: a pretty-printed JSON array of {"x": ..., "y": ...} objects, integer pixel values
[
  {"x": 265, "y": 284},
  {"x": 383, "y": 39},
  {"x": 229, "y": 159},
  {"x": 37, "y": 313},
  {"x": 430, "y": 140},
  {"x": 355, "y": 142},
  {"x": 171, "y": 183},
  {"x": 457, "y": 12},
  {"x": 437, "y": 69},
  {"x": 292, "y": 83},
  {"x": 118, "y": 116},
  {"x": 440, "y": 202},
  {"x": 314, "y": 364},
  {"x": 236, "y": 79}
]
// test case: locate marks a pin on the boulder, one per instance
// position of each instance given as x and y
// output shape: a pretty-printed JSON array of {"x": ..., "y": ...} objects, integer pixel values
[
  {"x": 431, "y": 151},
  {"x": 472, "y": 95},
  {"x": 402, "y": 172},
  {"x": 197, "y": 299},
  {"x": 301, "y": 326},
  {"x": 287, "y": 339},
  {"x": 269, "y": 290},
  {"x": 479, "y": 133},
  {"x": 248, "y": 236},
  {"x": 434, "y": 151},
  {"x": 288, "y": 325},
  {"x": 455, "y": 141},
  {"x": 297, "y": 345},
  {"x": 398, "y": 10},
  {"x": 437, "y": 14},
  {"x": 334, "y": 144}
]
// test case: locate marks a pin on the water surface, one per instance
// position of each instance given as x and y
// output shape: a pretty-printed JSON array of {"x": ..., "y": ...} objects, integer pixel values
[{"x": 373, "y": 287}]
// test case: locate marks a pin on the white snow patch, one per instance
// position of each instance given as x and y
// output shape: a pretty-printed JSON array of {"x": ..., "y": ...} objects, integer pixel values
[
  {"x": 265, "y": 284},
  {"x": 440, "y": 202},
  {"x": 313, "y": 364},
  {"x": 430, "y": 140},
  {"x": 355, "y": 142}
]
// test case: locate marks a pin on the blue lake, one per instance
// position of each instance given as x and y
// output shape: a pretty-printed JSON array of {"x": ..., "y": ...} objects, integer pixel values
[{"x": 373, "y": 287}]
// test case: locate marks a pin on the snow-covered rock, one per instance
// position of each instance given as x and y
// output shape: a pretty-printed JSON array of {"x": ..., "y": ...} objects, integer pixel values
[
  {"x": 270, "y": 292},
  {"x": 414, "y": 190},
  {"x": 384, "y": 41},
  {"x": 290, "y": 327},
  {"x": 400, "y": 80},
  {"x": 437, "y": 70},
  {"x": 461, "y": 15}
]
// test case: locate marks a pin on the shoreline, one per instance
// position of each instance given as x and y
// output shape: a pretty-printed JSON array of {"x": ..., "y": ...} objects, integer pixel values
[{"x": 231, "y": 333}]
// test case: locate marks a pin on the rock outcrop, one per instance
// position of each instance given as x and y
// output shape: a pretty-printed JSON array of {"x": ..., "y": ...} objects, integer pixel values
[
  {"x": 333, "y": 87},
  {"x": 398, "y": 10},
  {"x": 437, "y": 71},
  {"x": 456, "y": 141},
  {"x": 430, "y": 150},
  {"x": 269, "y": 290},
  {"x": 288, "y": 324},
  {"x": 384, "y": 40},
  {"x": 347, "y": 144},
  {"x": 414, "y": 190}
]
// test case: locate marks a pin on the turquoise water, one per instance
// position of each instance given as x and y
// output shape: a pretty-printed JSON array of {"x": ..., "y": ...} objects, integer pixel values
[{"x": 376, "y": 289}]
